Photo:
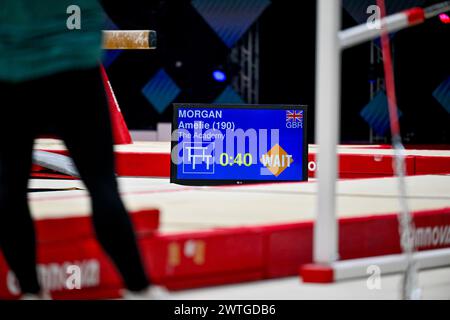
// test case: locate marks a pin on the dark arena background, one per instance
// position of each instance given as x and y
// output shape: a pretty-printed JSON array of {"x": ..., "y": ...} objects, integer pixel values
[
  {"x": 195, "y": 40},
  {"x": 196, "y": 150}
]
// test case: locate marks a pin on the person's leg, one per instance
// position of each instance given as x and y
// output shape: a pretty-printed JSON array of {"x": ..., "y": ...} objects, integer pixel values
[
  {"x": 17, "y": 234},
  {"x": 86, "y": 131}
]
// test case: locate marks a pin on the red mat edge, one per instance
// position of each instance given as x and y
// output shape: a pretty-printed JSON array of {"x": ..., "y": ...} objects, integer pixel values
[
  {"x": 146, "y": 164},
  {"x": 267, "y": 267}
]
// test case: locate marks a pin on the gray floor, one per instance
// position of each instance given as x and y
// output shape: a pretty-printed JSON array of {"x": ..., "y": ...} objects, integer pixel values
[{"x": 435, "y": 284}]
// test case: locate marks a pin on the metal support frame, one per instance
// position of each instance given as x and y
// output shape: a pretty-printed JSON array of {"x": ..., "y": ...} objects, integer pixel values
[{"x": 246, "y": 55}]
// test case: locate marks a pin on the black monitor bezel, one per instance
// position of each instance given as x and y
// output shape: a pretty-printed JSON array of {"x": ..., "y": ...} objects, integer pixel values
[{"x": 213, "y": 182}]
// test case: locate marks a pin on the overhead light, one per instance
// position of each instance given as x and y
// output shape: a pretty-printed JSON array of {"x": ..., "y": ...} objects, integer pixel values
[{"x": 219, "y": 76}]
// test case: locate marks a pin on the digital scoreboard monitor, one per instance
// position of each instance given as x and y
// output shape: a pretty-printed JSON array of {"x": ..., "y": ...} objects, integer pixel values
[{"x": 238, "y": 144}]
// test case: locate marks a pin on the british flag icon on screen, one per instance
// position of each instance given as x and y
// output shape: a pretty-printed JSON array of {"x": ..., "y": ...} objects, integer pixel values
[{"x": 295, "y": 116}]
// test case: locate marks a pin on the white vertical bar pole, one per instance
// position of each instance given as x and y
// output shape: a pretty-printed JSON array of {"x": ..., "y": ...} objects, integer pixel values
[{"x": 328, "y": 65}]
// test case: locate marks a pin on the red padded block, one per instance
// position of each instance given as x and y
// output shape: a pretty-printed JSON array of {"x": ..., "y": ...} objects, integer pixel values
[
  {"x": 351, "y": 166},
  {"x": 99, "y": 277},
  {"x": 435, "y": 228},
  {"x": 71, "y": 241},
  {"x": 378, "y": 235},
  {"x": 4, "y": 292},
  {"x": 316, "y": 273},
  {"x": 66, "y": 229},
  {"x": 377, "y": 165},
  {"x": 213, "y": 280},
  {"x": 145, "y": 222},
  {"x": 133, "y": 164},
  {"x": 143, "y": 164},
  {"x": 97, "y": 270},
  {"x": 312, "y": 158},
  {"x": 288, "y": 246},
  {"x": 432, "y": 165},
  {"x": 361, "y": 176},
  {"x": 291, "y": 245},
  {"x": 98, "y": 293},
  {"x": 368, "y": 236},
  {"x": 354, "y": 166},
  {"x": 205, "y": 258}
]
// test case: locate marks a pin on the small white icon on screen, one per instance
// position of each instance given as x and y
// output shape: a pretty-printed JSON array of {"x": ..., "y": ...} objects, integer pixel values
[{"x": 198, "y": 158}]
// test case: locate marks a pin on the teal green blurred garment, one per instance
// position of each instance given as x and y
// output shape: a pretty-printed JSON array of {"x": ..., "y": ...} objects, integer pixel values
[{"x": 35, "y": 40}]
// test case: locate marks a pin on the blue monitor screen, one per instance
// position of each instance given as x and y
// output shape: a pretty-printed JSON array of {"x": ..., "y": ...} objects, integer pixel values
[{"x": 236, "y": 144}]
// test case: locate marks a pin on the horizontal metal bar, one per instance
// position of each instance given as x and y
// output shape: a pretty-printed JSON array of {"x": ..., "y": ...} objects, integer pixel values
[
  {"x": 129, "y": 39},
  {"x": 402, "y": 20},
  {"x": 362, "y": 33},
  {"x": 357, "y": 268}
]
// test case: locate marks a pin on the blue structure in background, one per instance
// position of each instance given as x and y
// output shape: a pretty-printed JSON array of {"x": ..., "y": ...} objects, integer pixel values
[
  {"x": 229, "y": 96},
  {"x": 230, "y": 19},
  {"x": 442, "y": 94},
  {"x": 376, "y": 113},
  {"x": 109, "y": 56},
  {"x": 161, "y": 90}
]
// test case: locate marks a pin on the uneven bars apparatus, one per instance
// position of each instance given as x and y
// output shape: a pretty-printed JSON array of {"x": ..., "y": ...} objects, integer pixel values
[
  {"x": 112, "y": 40},
  {"x": 331, "y": 41}
]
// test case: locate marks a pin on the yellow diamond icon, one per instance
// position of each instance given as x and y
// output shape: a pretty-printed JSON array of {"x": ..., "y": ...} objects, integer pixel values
[{"x": 276, "y": 160}]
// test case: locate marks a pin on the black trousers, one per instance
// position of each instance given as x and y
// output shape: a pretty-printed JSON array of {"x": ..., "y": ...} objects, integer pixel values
[{"x": 73, "y": 105}]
